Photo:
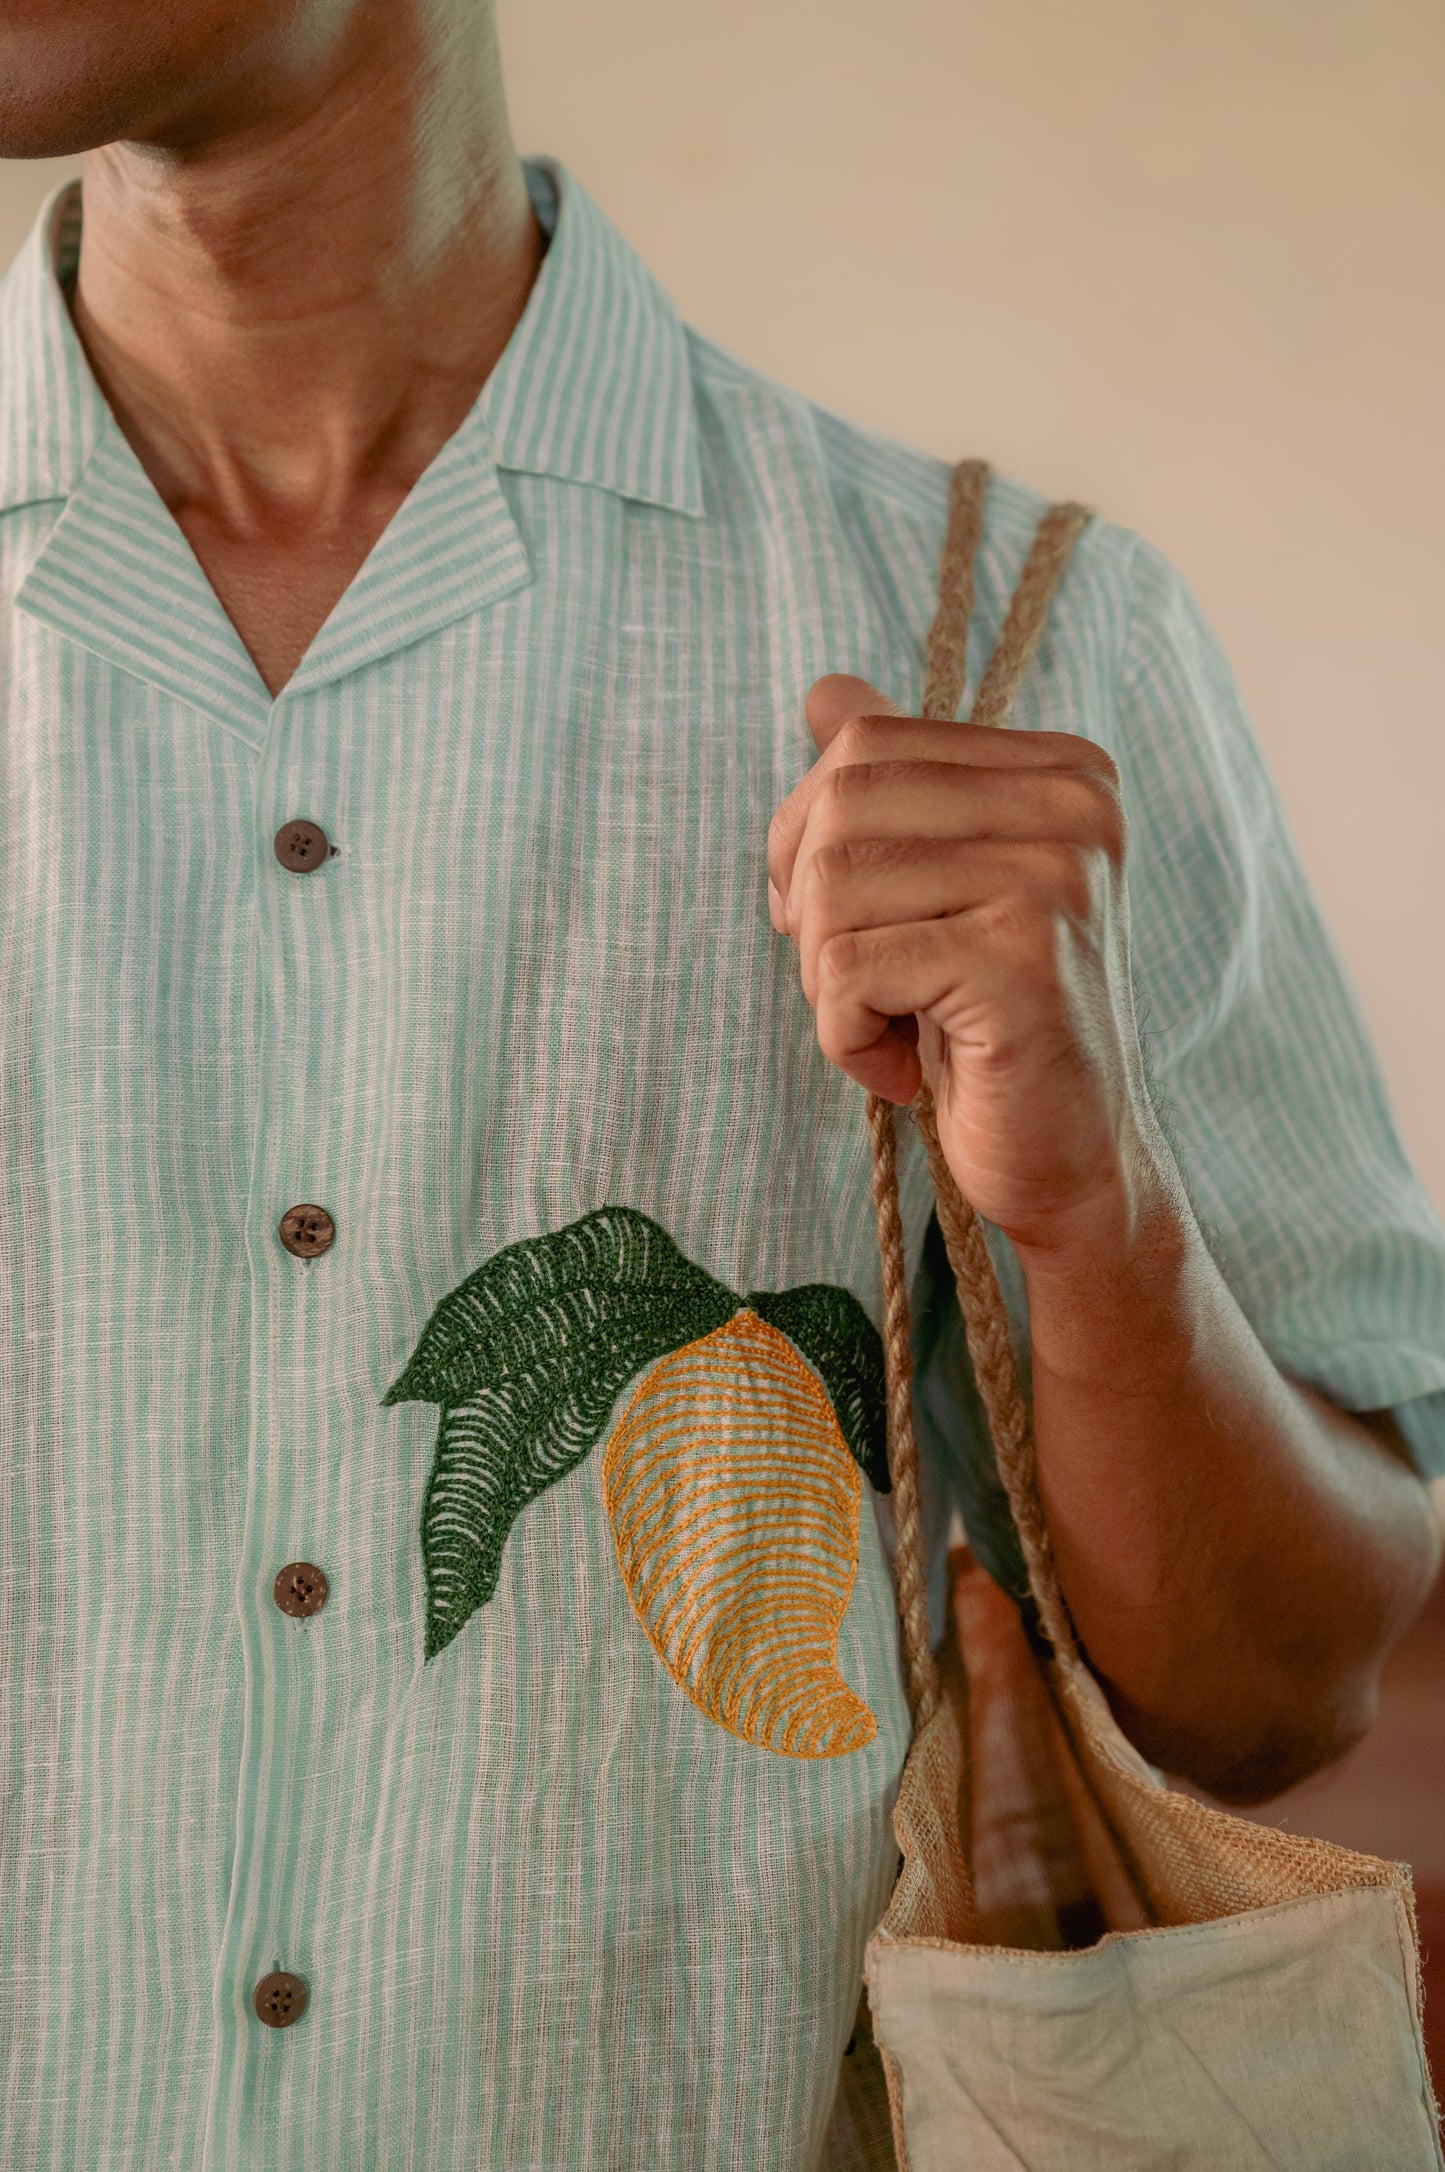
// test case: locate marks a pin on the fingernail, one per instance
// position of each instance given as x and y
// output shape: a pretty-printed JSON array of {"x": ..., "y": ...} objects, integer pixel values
[{"x": 775, "y": 908}]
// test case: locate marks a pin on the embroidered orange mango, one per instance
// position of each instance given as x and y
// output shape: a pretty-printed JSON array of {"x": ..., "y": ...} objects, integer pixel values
[
  {"x": 731, "y": 1477},
  {"x": 734, "y": 1506}
]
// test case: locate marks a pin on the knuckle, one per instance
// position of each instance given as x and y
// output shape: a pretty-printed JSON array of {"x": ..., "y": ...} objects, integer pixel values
[
  {"x": 840, "y": 861},
  {"x": 823, "y": 879},
  {"x": 1002, "y": 923},
  {"x": 830, "y": 1041},
  {"x": 832, "y": 865},
  {"x": 837, "y": 962},
  {"x": 1070, "y": 878},
  {"x": 831, "y": 791},
  {"x": 856, "y": 739},
  {"x": 1076, "y": 751},
  {"x": 1113, "y": 826},
  {"x": 1097, "y": 760},
  {"x": 1099, "y": 809},
  {"x": 847, "y": 790},
  {"x": 857, "y": 779},
  {"x": 1020, "y": 934}
]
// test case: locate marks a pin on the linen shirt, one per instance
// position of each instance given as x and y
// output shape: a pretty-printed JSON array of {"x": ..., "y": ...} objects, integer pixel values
[{"x": 556, "y": 1901}]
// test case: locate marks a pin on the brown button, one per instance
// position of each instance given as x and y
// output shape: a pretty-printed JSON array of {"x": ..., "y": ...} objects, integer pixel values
[
  {"x": 279, "y": 1999},
  {"x": 300, "y": 1588},
  {"x": 307, "y": 1231},
  {"x": 302, "y": 846}
]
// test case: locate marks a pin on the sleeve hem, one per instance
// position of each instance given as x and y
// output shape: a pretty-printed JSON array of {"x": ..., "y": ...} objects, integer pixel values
[
  {"x": 1422, "y": 1422},
  {"x": 1361, "y": 1375}
]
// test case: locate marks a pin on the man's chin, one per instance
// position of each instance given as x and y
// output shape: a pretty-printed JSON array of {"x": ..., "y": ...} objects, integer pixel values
[
  {"x": 38, "y": 142},
  {"x": 108, "y": 71},
  {"x": 75, "y": 74},
  {"x": 61, "y": 125}
]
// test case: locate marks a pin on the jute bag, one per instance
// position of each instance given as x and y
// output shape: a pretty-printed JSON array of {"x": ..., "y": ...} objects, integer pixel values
[{"x": 1254, "y": 2000}]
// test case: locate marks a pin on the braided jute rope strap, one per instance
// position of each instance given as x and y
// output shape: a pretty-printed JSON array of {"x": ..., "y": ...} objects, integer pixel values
[{"x": 979, "y": 1296}]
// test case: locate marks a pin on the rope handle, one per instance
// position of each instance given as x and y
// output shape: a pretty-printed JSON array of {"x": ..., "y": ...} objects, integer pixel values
[{"x": 981, "y": 1301}]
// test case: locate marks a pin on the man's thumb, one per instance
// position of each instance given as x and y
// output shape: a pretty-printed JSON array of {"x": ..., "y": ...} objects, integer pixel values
[{"x": 839, "y": 695}]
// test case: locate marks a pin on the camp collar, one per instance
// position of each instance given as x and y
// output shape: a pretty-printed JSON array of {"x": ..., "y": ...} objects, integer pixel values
[{"x": 593, "y": 387}]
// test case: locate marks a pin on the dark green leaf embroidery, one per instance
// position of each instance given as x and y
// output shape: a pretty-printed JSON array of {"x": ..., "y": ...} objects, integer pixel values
[
  {"x": 527, "y": 1357},
  {"x": 535, "y": 1301},
  {"x": 845, "y": 1349}
]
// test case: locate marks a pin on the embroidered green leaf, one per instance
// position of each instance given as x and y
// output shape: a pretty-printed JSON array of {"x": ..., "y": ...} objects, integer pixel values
[
  {"x": 495, "y": 1453},
  {"x": 526, "y": 1359},
  {"x": 845, "y": 1349},
  {"x": 546, "y": 1298}
]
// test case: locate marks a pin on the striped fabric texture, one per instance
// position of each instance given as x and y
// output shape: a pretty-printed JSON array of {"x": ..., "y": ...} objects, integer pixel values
[{"x": 552, "y": 1914}]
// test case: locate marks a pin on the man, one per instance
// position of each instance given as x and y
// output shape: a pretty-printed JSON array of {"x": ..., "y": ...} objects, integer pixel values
[{"x": 408, "y": 627}]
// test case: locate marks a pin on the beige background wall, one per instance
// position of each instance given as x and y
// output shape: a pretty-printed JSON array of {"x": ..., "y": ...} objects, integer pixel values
[{"x": 1186, "y": 261}]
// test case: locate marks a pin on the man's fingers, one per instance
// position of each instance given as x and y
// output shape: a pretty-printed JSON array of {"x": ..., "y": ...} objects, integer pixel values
[
  {"x": 869, "y": 986},
  {"x": 887, "y": 882},
  {"x": 867, "y": 738},
  {"x": 842, "y": 698},
  {"x": 918, "y": 802},
  {"x": 870, "y": 978}
]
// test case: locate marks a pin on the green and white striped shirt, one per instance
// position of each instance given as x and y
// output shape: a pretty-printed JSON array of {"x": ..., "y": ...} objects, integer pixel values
[{"x": 569, "y": 1808}]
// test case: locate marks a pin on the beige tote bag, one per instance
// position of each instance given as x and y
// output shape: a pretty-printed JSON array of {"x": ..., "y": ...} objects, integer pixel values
[{"x": 1253, "y": 2002}]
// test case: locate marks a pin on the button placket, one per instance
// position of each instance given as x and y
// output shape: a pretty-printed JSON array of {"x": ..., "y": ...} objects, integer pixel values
[{"x": 300, "y": 1589}]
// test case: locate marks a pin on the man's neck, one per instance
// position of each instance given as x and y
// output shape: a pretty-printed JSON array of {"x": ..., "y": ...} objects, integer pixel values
[{"x": 290, "y": 318}]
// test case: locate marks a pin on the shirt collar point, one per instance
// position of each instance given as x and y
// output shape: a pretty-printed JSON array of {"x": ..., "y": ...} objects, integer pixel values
[
  {"x": 595, "y": 385},
  {"x": 53, "y": 411}
]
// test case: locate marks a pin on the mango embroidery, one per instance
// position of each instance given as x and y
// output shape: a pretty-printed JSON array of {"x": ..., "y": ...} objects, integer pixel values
[
  {"x": 739, "y": 1561},
  {"x": 731, "y": 1479}
]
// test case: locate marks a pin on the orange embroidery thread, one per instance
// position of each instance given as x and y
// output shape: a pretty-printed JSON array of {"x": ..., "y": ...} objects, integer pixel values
[{"x": 734, "y": 1505}]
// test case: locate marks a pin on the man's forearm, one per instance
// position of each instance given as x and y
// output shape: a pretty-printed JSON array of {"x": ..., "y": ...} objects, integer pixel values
[{"x": 1237, "y": 1554}]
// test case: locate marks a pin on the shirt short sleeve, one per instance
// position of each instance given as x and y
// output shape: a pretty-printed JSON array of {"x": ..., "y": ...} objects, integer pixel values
[{"x": 1262, "y": 1073}]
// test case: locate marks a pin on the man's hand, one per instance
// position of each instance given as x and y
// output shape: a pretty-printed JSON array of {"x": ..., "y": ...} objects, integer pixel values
[
  {"x": 972, "y": 880},
  {"x": 1237, "y": 1554}
]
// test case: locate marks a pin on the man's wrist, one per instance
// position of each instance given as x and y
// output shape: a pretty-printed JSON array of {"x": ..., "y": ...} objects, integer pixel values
[{"x": 1115, "y": 1294}]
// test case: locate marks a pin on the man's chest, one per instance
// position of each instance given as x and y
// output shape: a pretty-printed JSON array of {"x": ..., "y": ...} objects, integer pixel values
[{"x": 460, "y": 948}]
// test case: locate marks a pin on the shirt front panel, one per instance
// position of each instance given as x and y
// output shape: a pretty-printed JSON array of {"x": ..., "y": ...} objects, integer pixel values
[
  {"x": 536, "y": 981},
  {"x": 548, "y": 1911}
]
